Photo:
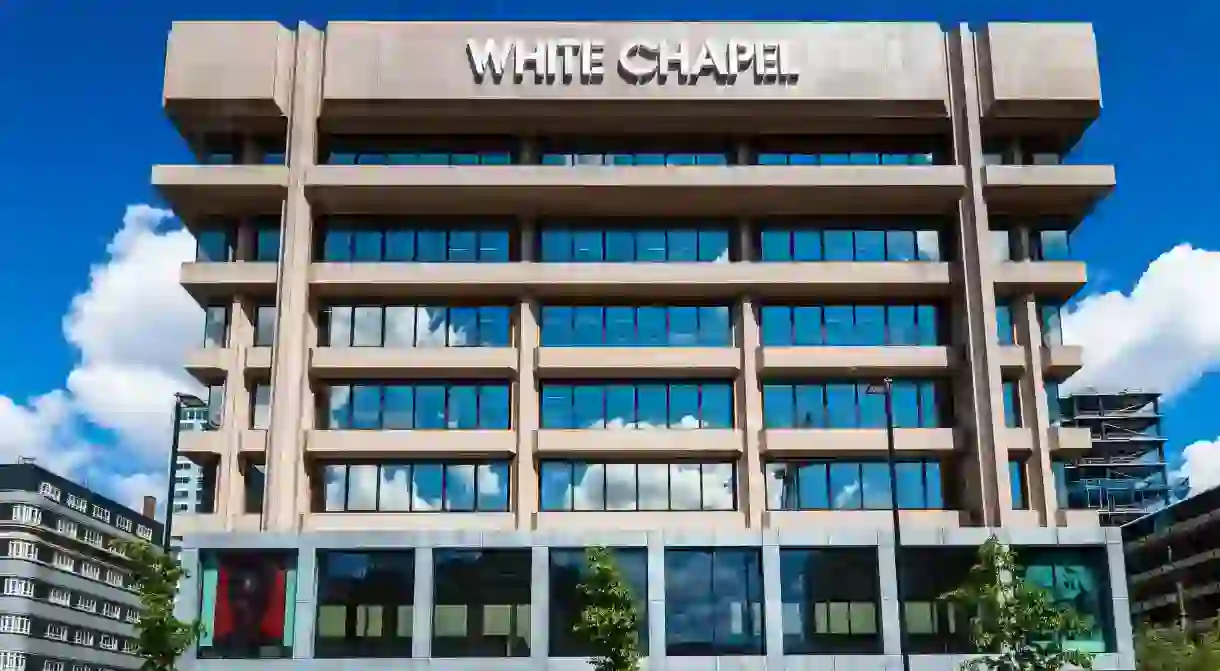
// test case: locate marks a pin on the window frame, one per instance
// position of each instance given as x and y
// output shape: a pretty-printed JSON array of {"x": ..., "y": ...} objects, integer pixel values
[
  {"x": 481, "y": 389},
  {"x": 569, "y": 389},
  {"x": 500, "y": 469},
  {"x": 357, "y": 602},
  {"x": 547, "y": 467},
  {"x": 930, "y": 493}
]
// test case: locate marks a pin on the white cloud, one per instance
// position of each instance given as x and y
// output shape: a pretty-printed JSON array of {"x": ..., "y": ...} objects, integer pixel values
[
  {"x": 1162, "y": 336},
  {"x": 412, "y": 489},
  {"x": 1201, "y": 464},
  {"x": 131, "y": 327},
  {"x": 649, "y": 486}
]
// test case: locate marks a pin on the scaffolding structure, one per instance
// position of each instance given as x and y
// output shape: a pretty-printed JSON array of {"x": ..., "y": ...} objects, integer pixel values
[{"x": 1125, "y": 475}]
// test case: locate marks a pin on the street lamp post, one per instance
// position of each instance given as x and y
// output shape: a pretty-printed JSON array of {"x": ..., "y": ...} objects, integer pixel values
[
  {"x": 181, "y": 402},
  {"x": 886, "y": 389}
]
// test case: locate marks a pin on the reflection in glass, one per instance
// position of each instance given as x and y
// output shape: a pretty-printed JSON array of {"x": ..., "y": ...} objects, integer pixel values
[
  {"x": 636, "y": 326},
  {"x": 812, "y": 241},
  {"x": 1078, "y": 578},
  {"x": 581, "y": 486},
  {"x": 441, "y": 240},
  {"x": 568, "y": 568},
  {"x": 1003, "y": 323},
  {"x": 244, "y": 604},
  {"x": 260, "y": 411},
  {"x": 365, "y": 604},
  {"x": 1017, "y": 484},
  {"x": 216, "y": 326},
  {"x": 831, "y": 601},
  {"x": 850, "y": 325},
  {"x": 267, "y": 243},
  {"x": 1050, "y": 245},
  {"x": 848, "y": 405},
  {"x": 935, "y": 626},
  {"x": 1050, "y": 319},
  {"x": 214, "y": 245},
  {"x": 713, "y": 602},
  {"x": 408, "y": 326},
  {"x": 415, "y": 487},
  {"x": 852, "y": 485},
  {"x": 646, "y": 242},
  {"x": 481, "y": 603},
  {"x": 264, "y": 326},
  {"x": 454, "y": 407},
  {"x": 1012, "y": 404},
  {"x": 637, "y": 405}
]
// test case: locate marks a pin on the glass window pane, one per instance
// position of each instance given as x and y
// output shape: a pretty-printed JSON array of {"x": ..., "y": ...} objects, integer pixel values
[
  {"x": 620, "y": 246},
  {"x": 870, "y": 245},
  {"x": 366, "y": 329},
  {"x": 927, "y": 244},
  {"x": 714, "y": 246},
  {"x": 557, "y": 407},
  {"x": 684, "y": 406},
  {"x": 776, "y": 326},
  {"x": 719, "y": 491},
  {"x": 683, "y": 246},
  {"x": 339, "y": 414},
  {"x": 775, "y": 245},
  {"x": 875, "y": 485},
  {"x": 807, "y": 327},
  {"x": 492, "y": 489},
  {"x": 337, "y": 246},
  {"x": 650, "y": 246},
  {"x": 494, "y": 246},
  {"x": 929, "y": 326},
  {"x": 807, "y": 245},
  {"x": 810, "y": 406},
  {"x": 335, "y": 494},
  {"x": 589, "y": 485},
  {"x": 459, "y": 487},
  {"x": 431, "y": 246},
  {"x": 430, "y": 407},
  {"x": 556, "y": 246},
  {"x": 620, "y": 407},
  {"x": 366, "y": 406},
  {"x": 716, "y": 406},
  {"x": 400, "y": 246},
  {"x": 428, "y": 484},
  {"x": 778, "y": 412},
  {"x": 652, "y": 329},
  {"x": 652, "y": 405},
  {"x": 367, "y": 246},
  {"x": 683, "y": 326},
  {"x": 845, "y": 486},
  {"x": 556, "y": 326},
  {"x": 494, "y": 407},
  {"x": 556, "y": 486},
  {"x": 399, "y": 410},
  {"x": 589, "y": 406},
  {"x": 463, "y": 406},
  {"x": 900, "y": 246},
  {"x": 839, "y": 245},
  {"x": 587, "y": 330},
  {"x": 264, "y": 326},
  {"x": 620, "y": 326},
  {"x": 362, "y": 487},
  {"x": 842, "y": 412},
  {"x": 814, "y": 488},
  {"x": 267, "y": 245}
]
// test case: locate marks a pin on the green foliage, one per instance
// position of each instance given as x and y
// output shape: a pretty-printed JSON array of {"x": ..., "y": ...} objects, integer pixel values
[
  {"x": 1016, "y": 626},
  {"x": 1175, "y": 649},
  {"x": 608, "y": 620},
  {"x": 162, "y": 638}
]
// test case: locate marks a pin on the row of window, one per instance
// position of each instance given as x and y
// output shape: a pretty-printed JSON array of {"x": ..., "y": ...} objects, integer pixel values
[
  {"x": 19, "y": 661},
  {"x": 64, "y": 561},
  {"x": 1019, "y": 244},
  {"x": 481, "y": 601},
  {"x": 408, "y": 326},
  {"x": 216, "y": 322},
  {"x": 29, "y": 625},
  {"x": 64, "y": 525},
  {"x": 81, "y": 505},
  {"x": 1050, "y": 321},
  {"x": 216, "y": 242},
  {"x": 60, "y": 596}
]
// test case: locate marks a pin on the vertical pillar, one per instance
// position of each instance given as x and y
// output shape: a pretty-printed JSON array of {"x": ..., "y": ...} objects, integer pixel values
[
  {"x": 773, "y": 615},
  {"x": 421, "y": 611},
  {"x": 289, "y": 382},
  {"x": 527, "y": 413},
  {"x": 980, "y": 404},
  {"x": 1034, "y": 412},
  {"x": 749, "y": 410},
  {"x": 891, "y": 600},
  {"x": 186, "y": 606},
  {"x": 306, "y": 604},
  {"x": 540, "y": 605},
  {"x": 656, "y": 601},
  {"x": 237, "y": 415}
]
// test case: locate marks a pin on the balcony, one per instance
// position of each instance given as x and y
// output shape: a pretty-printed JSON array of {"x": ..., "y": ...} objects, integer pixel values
[
  {"x": 814, "y": 443},
  {"x": 635, "y": 190},
  {"x": 897, "y": 361},
  {"x": 206, "y": 282},
  {"x": 638, "y": 362},
  {"x": 385, "y": 362},
  {"x": 635, "y": 280},
  {"x": 340, "y": 444},
  {"x": 197, "y": 190},
  {"x": 634, "y": 443}
]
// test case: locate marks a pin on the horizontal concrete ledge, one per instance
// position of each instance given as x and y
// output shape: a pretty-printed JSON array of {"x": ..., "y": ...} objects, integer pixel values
[
  {"x": 1049, "y": 279},
  {"x": 812, "y": 443},
  {"x": 1046, "y": 189},
  {"x": 858, "y": 361},
  {"x": 629, "y": 443},
  {"x": 671, "y": 280},
  {"x": 429, "y": 362},
  {"x": 339, "y": 444},
  {"x": 206, "y": 282},
  {"x": 194, "y": 190},
  {"x": 635, "y": 362}
]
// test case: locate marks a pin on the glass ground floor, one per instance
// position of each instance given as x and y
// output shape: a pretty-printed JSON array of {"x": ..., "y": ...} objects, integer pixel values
[{"x": 816, "y": 600}]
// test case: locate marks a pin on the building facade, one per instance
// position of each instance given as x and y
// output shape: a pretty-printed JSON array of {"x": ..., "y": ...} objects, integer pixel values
[
  {"x": 1173, "y": 557},
  {"x": 481, "y": 295},
  {"x": 1125, "y": 476},
  {"x": 68, "y": 602}
]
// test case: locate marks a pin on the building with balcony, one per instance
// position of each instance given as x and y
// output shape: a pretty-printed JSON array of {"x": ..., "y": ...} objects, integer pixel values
[
  {"x": 481, "y": 295},
  {"x": 69, "y": 603},
  {"x": 1125, "y": 475},
  {"x": 1173, "y": 557}
]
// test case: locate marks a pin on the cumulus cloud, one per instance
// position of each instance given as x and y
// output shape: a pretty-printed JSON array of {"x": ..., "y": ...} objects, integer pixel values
[
  {"x": 131, "y": 327},
  {"x": 1201, "y": 465}
]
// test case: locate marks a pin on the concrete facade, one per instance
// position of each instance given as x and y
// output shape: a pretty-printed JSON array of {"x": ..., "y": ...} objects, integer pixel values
[{"x": 993, "y": 100}]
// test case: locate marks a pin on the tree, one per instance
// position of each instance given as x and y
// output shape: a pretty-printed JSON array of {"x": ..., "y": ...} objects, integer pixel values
[
  {"x": 162, "y": 638},
  {"x": 1175, "y": 649},
  {"x": 1016, "y": 626},
  {"x": 608, "y": 620}
]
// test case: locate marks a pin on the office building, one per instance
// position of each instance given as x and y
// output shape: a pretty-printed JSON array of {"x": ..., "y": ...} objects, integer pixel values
[
  {"x": 1173, "y": 559},
  {"x": 480, "y": 295},
  {"x": 69, "y": 602},
  {"x": 1125, "y": 475}
]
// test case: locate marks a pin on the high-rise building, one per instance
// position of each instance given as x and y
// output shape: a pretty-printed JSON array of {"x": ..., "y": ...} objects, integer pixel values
[
  {"x": 480, "y": 295},
  {"x": 1125, "y": 475},
  {"x": 69, "y": 602}
]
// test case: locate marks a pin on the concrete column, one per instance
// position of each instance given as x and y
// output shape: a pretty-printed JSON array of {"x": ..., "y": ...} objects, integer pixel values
[
  {"x": 306, "y": 603},
  {"x": 1121, "y": 609},
  {"x": 186, "y": 606},
  {"x": 891, "y": 601},
  {"x": 540, "y": 605},
  {"x": 979, "y": 402},
  {"x": 1034, "y": 414},
  {"x": 750, "y": 418},
  {"x": 656, "y": 601},
  {"x": 236, "y": 414},
  {"x": 421, "y": 611},
  {"x": 289, "y": 382},
  {"x": 526, "y": 419},
  {"x": 773, "y": 607}
]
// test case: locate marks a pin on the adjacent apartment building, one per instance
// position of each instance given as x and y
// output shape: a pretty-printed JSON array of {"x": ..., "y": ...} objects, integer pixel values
[
  {"x": 481, "y": 295},
  {"x": 68, "y": 602}
]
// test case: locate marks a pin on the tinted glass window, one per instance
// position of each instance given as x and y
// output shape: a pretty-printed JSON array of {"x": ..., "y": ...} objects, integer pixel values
[
  {"x": 416, "y": 406},
  {"x": 482, "y": 603},
  {"x": 831, "y": 601},
  {"x": 713, "y": 602},
  {"x": 852, "y": 405},
  {"x": 415, "y": 486},
  {"x": 365, "y": 604},
  {"x": 637, "y": 405},
  {"x": 599, "y": 486},
  {"x": 568, "y": 567}
]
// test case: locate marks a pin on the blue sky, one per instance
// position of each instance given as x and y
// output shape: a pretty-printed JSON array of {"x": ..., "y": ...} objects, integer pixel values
[{"x": 82, "y": 123}]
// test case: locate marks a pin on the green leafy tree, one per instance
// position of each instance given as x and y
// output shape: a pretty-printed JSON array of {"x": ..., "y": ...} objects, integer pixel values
[
  {"x": 1016, "y": 625},
  {"x": 162, "y": 638},
  {"x": 1175, "y": 649},
  {"x": 608, "y": 622}
]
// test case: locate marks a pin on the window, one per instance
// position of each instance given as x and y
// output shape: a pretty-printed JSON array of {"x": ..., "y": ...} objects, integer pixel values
[
  {"x": 250, "y": 624},
  {"x": 216, "y": 326},
  {"x": 935, "y": 626},
  {"x": 365, "y": 604},
  {"x": 581, "y": 486},
  {"x": 27, "y": 514},
  {"x": 713, "y": 602},
  {"x": 144, "y": 532},
  {"x": 216, "y": 404},
  {"x": 568, "y": 567},
  {"x": 439, "y": 240},
  {"x": 815, "y": 241},
  {"x": 1050, "y": 320},
  {"x": 853, "y": 485},
  {"x": 57, "y": 632},
  {"x": 52, "y": 665},
  {"x": 850, "y": 150},
  {"x": 109, "y": 642},
  {"x": 482, "y": 603},
  {"x": 114, "y": 577},
  {"x": 1017, "y": 484},
  {"x": 78, "y": 504},
  {"x": 1050, "y": 245},
  {"x": 112, "y": 611},
  {"x": 91, "y": 571},
  {"x": 850, "y": 325},
  {"x": 82, "y": 637},
  {"x": 260, "y": 407},
  {"x": 87, "y": 604},
  {"x": 123, "y": 523},
  {"x": 93, "y": 537},
  {"x": 101, "y": 513},
  {"x": 254, "y": 484},
  {"x": 1003, "y": 324},
  {"x": 849, "y": 404},
  {"x": 417, "y": 150},
  {"x": 62, "y": 561},
  {"x": 18, "y": 587},
  {"x": 1076, "y": 577},
  {"x": 130, "y": 647},
  {"x": 831, "y": 601},
  {"x": 50, "y": 491},
  {"x": 410, "y": 326},
  {"x": 637, "y": 405},
  {"x": 645, "y": 241},
  {"x": 264, "y": 325},
  {"x": 1012, "y": 404},
  {"x": 569, "y": 159},
  {"x": 132, "y": 616},
  {"x": 636, "y": 326},
  {"x": 60, "y": 597},
  {"x": 79, "y": 667},
  {"x": 65, "y": 527},
  {"x": 12, "y": 661},
  {"x": 423, "y": 406},
  {"x": 1054, "y": 404},
  {"x": 267, "y": 239},
  {"x": 214, "y": 245},
  {"x": 416, "y": 487},
  {"x": 22, "y": 550}
]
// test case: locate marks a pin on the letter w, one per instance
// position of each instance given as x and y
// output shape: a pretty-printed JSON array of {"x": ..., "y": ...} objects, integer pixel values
[{"x": 489, "y": 56}]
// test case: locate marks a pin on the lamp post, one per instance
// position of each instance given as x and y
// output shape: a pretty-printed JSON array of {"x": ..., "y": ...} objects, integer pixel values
[
  {"x": 181, "y": 402},
  {"x": 886, "y": 388}
]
